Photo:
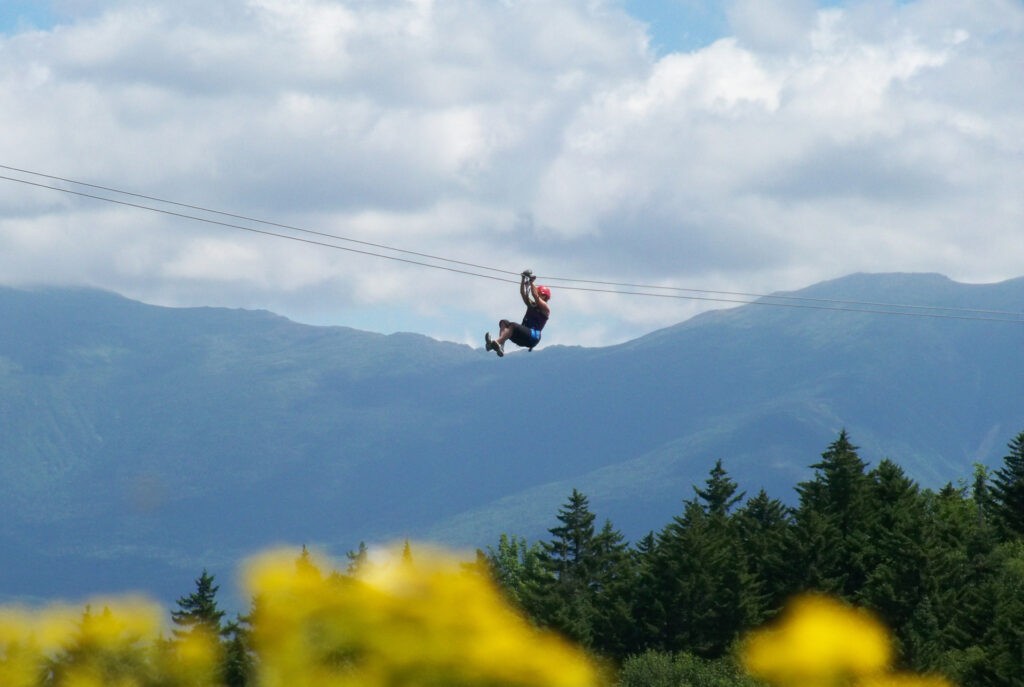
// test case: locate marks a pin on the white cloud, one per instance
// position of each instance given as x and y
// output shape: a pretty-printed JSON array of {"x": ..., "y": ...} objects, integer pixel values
[
  {"x": 808, "y": 144},
  {"x": 851, "y": 141},
  {"x": 778, "y": 26}
]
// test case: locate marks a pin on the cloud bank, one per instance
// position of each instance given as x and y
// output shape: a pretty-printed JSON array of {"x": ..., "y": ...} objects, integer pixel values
[{"x": 806, "y": 144}]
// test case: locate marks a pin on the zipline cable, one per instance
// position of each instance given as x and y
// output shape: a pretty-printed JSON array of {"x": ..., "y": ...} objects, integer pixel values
[
  {"x": 251, "y": 229},
  {"x": 494, "y": 269},
  {"x": 248, "y": 219},
  {"x": 674, "y": 292},
  {"x": 1017, "y": 319},
  {"x": 789, "y": 298}
]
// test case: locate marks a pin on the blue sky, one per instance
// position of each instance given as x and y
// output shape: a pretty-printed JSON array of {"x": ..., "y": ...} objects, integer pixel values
[
  {"x": 680, "y": 24},
  {"x": 674, "y": 24},
  {"x": 19, "y": 14},
  {"x": 825, "y": 139},
  {"x": 686, "y": 25}
]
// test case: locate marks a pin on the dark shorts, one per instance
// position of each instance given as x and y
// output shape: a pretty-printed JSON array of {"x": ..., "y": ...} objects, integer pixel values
[{"x": 524, "y": 336}]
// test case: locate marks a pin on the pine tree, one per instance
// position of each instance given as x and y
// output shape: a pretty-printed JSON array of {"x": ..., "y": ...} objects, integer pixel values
[
  {"x": 239, "y": 658},
  {"x": 706, "y": 593},
  {"x": 839, "y": 485},
  {"x": 832, "y": 521},
  {"x": 954, "y": 612},
  {"x": 512, "y": 565},
  {"x": 719, "y": 494},
  {"x": 580, "y": 582},
  {"x": 559, "y": 595},
  {"x": 981, "y": 493},
  {"x": 1005, "y": 636},
  {"x": 649, "y": 614},
  {"x": 765, "y": 532},
  {"x": 613, "y": 581},
  {"x": 199, "y": 609},
  {"x": 357, "y": 560},
  {"x": 1008, "y": 490},
  {"x": 896, "y": 556}
]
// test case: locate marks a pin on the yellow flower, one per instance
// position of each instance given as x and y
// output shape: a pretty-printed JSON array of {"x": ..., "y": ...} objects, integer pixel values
[
  {"x": 192, "y": 659},
  {"x": 25, "y": 638},
  {"x": 115, "y": 646},
  {"x": 424, "y": 622},
  {"x": 119, "y": 622},
  {"x": 816, "y": 641}
]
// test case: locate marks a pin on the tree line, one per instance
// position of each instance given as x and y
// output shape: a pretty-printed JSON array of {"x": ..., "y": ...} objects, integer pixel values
[{"x": 944, "y": 569}]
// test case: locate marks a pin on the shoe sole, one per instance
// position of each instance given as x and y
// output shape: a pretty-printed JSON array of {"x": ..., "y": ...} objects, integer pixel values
[{"x": 491, "y": 346}]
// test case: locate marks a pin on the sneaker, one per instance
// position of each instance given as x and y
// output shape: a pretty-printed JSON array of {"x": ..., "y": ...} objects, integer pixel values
[{"x": 492, "y": 345}]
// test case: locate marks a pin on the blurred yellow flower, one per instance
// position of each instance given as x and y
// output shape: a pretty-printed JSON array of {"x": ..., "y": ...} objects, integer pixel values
[
  {"x": 820, "y": 641},
  {"x": 116, "y": 646},
  {"x": 25, "y": 638},
  {"x": 429, "y": 621},
  {"x": 816, "y": 640}
]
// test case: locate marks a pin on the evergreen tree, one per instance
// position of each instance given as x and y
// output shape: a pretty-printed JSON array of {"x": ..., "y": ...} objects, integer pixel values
[
  {"x": 981, "y": 492},
  {"x": 559, "y": 594},
  {"x": 649, "y": 612},
  {"x": 199, "y": 609},
  {"x": 1005, "y": 637},
  {"x": 944, "y": 630},
  {"x": 765, "y": 533},
  {"x": 706, "y": 593},
  {"x": 719, "y": 493},
  {"x": 239, "y": 658},
  {"x": 513, "y": 564},
  {"x": 1008, "y": 490},
  {"x": 198, "y": 613},
  {"x": 832, "y": 521},
  {"x": 357, "y": 560},
  {"x": 896, "y": 556},
  {"x": 613, "y": 581},
  {"x": 582, "y": 582}
]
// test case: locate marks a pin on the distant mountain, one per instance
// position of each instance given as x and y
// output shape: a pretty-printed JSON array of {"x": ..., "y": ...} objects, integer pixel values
[{"x": 141, "y": 444}]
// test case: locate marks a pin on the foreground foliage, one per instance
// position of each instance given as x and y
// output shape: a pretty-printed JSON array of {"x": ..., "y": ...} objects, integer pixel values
[
  {"x": 909, "y": 588},
  {"x": 428, "y": 621},
  {"x": 432, "y": 621}
]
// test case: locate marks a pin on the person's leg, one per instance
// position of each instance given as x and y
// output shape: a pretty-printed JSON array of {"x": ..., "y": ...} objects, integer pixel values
[
  {"x": 505, "y": 330},
  {"x": 517, "y": 334},
  {"x": 493, "y": 345}
]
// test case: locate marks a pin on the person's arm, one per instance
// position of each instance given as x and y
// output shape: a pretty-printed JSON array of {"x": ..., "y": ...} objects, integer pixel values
[
  {"x": 526, "y": 290},
  {"x": 538, "y": 302}
]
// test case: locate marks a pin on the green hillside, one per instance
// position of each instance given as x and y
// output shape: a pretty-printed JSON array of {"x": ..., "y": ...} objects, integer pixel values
[{"x": 143, "y": 443}]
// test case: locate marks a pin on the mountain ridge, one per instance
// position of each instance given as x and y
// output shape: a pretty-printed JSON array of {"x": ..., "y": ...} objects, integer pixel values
[{"x": 158, "y": 441}]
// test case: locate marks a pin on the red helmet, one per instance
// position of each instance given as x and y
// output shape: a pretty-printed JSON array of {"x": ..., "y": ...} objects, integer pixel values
[{"x": 544, "y": 292}]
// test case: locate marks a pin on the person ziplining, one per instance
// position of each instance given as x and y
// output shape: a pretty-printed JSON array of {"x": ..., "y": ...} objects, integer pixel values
[{"x": 527, "y": 334}]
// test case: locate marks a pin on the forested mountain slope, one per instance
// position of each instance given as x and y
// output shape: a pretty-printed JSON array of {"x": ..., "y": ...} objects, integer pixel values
[{"x": 144, "y": 443}]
